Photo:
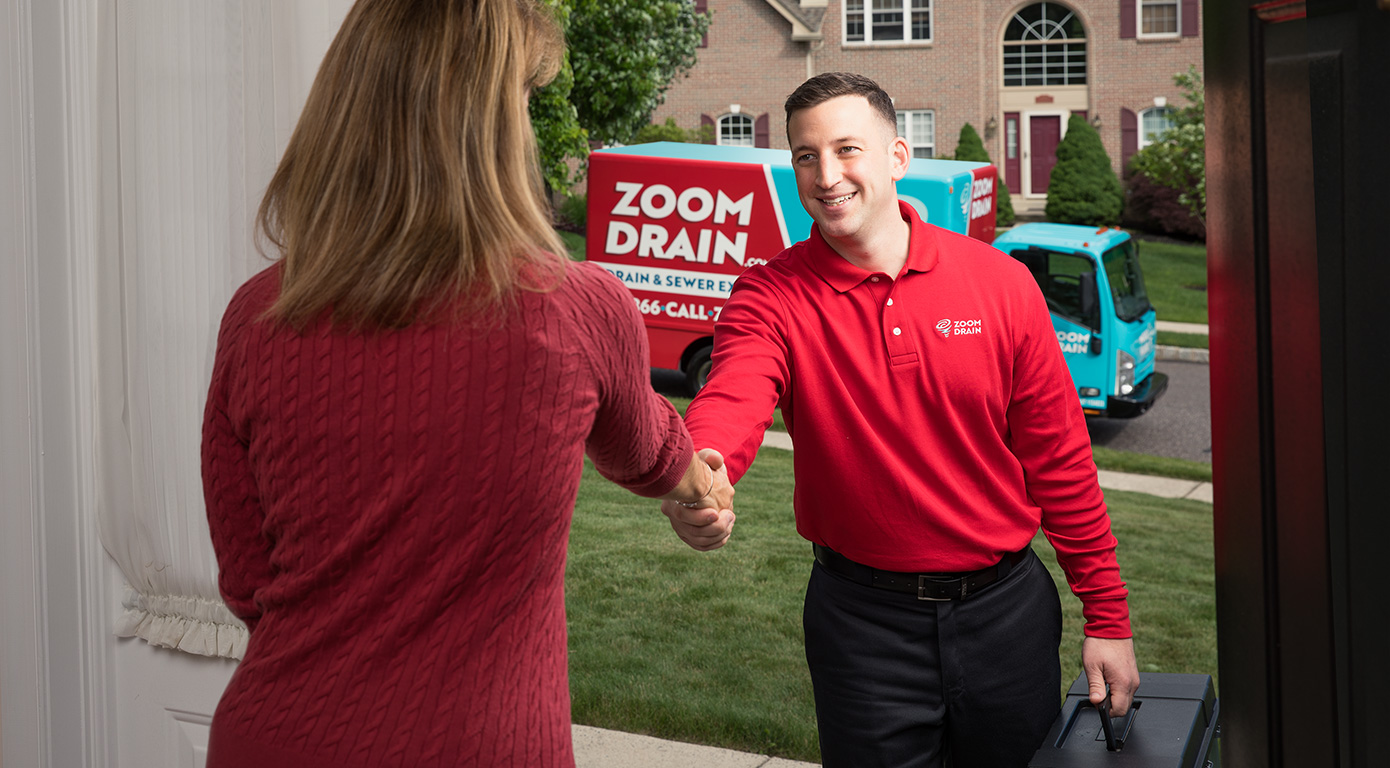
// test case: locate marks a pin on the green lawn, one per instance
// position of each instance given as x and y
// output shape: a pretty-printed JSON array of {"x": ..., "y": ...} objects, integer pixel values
[
  {"x": 707, "y": 647},
  {"x": 1176, "y": 278},
  {"x": 1175, "y": 339},
  {"x": 1144, "y": 464}
]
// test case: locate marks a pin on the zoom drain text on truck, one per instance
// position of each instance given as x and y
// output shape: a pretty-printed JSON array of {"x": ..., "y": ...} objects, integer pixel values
[{"x": 678, "y": 223}]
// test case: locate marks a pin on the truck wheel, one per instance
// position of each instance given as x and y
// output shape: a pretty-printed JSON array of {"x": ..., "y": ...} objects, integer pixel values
[{"x": 697, "y": 370}]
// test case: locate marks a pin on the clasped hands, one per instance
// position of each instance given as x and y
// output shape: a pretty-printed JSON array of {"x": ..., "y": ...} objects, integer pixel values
[{"x": 707, "y": 524}]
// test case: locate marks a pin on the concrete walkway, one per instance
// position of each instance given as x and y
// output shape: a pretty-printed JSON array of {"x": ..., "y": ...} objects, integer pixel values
[
  {"x": 1197, "y": 328},
  {"x": 1166, "y": 487},
  {"x": 599, "y": 748},
  {"x": 1184, "y": 354}
]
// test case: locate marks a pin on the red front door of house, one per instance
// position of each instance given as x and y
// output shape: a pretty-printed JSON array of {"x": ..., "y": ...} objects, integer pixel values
[{"x": 1044, "y": 133}]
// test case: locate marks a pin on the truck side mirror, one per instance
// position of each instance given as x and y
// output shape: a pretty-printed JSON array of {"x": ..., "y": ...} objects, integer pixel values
[{"x": 1090, "y": 298}]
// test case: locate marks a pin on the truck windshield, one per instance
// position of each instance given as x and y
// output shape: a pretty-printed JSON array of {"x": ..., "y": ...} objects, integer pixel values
[{"x": 1126, "y": 282}]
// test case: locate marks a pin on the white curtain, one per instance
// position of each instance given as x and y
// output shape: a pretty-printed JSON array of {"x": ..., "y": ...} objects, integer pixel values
[{"x": 205, "y": 95}]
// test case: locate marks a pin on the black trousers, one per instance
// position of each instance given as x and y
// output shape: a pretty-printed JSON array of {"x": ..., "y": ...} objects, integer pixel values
[{"x": 905, "y": 683}]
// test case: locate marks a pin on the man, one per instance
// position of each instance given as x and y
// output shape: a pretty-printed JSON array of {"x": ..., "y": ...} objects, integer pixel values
[{"x": 925, "y": 461}]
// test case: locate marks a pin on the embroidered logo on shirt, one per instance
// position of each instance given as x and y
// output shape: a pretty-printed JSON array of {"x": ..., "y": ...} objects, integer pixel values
[{"x": 947, "y": 328}]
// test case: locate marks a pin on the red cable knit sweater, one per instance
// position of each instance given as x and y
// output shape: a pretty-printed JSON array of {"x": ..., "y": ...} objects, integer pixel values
[{"x": 390, "y": 513}]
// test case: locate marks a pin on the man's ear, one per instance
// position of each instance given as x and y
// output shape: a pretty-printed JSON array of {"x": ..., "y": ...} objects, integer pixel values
[{"x": 901, "y": 155}]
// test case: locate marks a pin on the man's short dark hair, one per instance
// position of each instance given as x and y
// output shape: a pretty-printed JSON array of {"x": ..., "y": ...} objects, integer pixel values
[{"x": 824, "y": 87}]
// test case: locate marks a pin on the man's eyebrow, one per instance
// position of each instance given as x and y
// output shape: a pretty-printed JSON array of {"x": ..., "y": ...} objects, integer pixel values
[{"x": 837, "y": 142}]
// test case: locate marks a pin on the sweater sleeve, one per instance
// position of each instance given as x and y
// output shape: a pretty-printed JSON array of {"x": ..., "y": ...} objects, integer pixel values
[
  {"x": 235, "y": 516},
  {"x": 638, "y": 439},
  {"x": 749, "y": 376},
  {"x": 1049, "y": 437}
]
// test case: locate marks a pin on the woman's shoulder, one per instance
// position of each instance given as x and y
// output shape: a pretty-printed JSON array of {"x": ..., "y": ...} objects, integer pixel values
[
  {"x": 255, "y": 296},
  {"x": 595, "y": 304},
  {"x": 585, "y": 277},
  {"x": 590, "y": 290}
]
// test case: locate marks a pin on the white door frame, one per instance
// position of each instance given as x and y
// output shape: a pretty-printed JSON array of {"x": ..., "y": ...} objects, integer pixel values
[
  {"x": 54, "y": 705},
  {"x": 60, "y": 195},
  {"x": 1026, "y": 128},
  {"x": 21, "y": 702}
]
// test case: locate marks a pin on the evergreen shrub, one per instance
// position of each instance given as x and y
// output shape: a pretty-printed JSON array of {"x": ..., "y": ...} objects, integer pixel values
[
  {"x": 970, "y": 147},
  {"x": 1084, "y": 188},
  {"x": 572, "y": 213},
  {"x": 670, "y": 131}
]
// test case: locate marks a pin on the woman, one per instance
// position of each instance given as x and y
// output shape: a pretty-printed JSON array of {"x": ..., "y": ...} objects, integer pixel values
[{"x": 400, "y": 406}]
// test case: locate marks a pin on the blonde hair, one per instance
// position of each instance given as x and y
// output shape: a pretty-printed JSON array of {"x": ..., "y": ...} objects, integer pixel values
[{"x": 412, "y": 179}]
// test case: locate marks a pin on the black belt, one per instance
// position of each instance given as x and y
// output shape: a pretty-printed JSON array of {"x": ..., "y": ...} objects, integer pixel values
[{"x": 938, "y": 587}]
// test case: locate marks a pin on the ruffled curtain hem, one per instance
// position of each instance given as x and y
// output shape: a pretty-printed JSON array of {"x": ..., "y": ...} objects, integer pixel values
[{"x": 186, "y": 623}]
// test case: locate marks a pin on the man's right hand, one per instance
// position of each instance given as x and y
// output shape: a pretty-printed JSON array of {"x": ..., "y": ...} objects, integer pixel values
[
  {"x": 709, "y": 525},
  {"x": 1111, "y": 662}
]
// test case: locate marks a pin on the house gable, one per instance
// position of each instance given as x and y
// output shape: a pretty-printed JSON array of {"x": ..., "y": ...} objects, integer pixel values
[{"x": 805, "y": 17}]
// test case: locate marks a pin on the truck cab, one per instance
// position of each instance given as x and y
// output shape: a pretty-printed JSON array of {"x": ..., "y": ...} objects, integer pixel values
[{"x": 1101, "y": 313}]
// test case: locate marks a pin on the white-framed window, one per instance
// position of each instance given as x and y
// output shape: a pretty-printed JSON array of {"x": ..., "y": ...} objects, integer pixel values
[
  {"x": 736, "y": 130},
  {"x": 918, "y": 126},
  {"x": 887, "y": 21},
  {"x": 1044, "y": 44},
  {"x": 1152, "y": 123},
  {"x": 1159, "y": 18}
]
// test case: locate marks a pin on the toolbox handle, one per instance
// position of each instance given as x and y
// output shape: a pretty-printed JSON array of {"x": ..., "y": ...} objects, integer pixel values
[{"x": 1107, "y": 726}]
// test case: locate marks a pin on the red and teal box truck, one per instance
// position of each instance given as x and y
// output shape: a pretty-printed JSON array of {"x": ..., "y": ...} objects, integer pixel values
[{"x": 678, "y": 223}]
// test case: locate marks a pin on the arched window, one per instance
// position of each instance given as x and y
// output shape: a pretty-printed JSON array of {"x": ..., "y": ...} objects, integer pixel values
[
  {"x": 736, "y": 130},
  {"x": 1045, "y": 44},
  {"x": 1152, "y": 123}
]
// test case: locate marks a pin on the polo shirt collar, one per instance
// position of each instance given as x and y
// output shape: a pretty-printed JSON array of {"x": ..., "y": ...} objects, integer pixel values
[{"x": 841, "y": 275}]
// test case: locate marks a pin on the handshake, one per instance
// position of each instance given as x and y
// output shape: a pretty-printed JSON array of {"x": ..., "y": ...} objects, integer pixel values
[{"x": 706, "y": 522}]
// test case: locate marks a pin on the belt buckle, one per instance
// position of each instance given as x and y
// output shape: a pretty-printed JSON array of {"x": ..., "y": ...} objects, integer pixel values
[{"x": 923, "y": 580}]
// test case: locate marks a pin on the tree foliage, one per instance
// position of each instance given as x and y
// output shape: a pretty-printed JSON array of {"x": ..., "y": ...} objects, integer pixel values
[
  {"x": 554, "y": 119},
  {"x": 1084, "y": 188},
  {"x": 625, "y": 55},
  {"x": 1154, "y": 208},
  {"x": 622, "y": 56},
  {"x": 1177, "y": 160},
  {"x": 558, "y": 133},
  {"x": 970, "y": 147}
]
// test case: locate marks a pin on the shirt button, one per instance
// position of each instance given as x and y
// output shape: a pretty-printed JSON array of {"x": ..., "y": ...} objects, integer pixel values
[
  {"x": 897, "y": 331},
  {"x": 874, "y": 278},
  {"x": 890, "y": 302}
]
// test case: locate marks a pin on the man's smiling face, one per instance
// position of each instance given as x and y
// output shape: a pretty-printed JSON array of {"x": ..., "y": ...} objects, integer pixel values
[{"x": 846, "y": 159}]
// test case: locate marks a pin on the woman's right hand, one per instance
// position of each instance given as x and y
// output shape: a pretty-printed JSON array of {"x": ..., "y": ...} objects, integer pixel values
[{"x": 708, "y": 524}]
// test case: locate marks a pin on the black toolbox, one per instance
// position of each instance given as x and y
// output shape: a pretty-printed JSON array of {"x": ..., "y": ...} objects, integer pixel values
[{"x": 1175, "y": 724}]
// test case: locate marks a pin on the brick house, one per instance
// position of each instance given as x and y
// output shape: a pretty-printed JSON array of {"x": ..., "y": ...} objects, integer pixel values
[{"x": 1014, "y": 70}]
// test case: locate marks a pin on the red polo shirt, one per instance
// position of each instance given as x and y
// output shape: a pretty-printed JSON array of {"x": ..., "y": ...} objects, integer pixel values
[{"x": 933, "y": 415}]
